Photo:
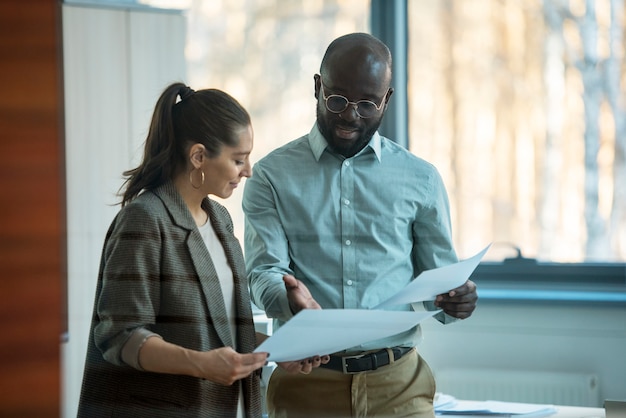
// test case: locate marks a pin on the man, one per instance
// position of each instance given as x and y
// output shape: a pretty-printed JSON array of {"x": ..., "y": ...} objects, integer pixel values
[{"x": 344, "y": 218}]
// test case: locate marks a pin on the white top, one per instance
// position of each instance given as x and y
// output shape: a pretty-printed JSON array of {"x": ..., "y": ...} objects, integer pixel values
[{"x": 227, "y": 283}]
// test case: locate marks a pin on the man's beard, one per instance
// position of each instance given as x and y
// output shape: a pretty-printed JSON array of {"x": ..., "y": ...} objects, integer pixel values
[{"x": 336, "y": 145}]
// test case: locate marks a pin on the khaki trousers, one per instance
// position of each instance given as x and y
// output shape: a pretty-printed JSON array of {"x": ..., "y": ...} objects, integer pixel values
[{"x": 404, "y": 388}]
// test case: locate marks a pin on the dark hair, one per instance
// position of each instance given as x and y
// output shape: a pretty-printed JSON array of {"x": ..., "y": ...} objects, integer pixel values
[{"x": 210, "y": 117}]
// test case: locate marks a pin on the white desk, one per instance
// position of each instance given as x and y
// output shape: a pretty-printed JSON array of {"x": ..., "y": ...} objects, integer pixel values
[
  {"x": 562, "y": 412},
  {"x": 578, "y": 412}
]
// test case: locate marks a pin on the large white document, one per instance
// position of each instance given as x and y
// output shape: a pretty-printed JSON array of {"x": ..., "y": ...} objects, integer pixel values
[
  {"x": 430, "y": 283},
  {"x": 324, "y": 331}
]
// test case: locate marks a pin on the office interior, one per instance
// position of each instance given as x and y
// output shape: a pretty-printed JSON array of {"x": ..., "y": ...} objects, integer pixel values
[{"x": 80, "y": 81}]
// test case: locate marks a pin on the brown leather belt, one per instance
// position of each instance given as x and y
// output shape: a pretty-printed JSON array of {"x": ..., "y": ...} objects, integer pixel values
[{"x": 365, "y": 362}]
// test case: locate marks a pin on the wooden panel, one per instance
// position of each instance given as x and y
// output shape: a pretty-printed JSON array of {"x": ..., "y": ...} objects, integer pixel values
[{"x": 32, "y": 209}]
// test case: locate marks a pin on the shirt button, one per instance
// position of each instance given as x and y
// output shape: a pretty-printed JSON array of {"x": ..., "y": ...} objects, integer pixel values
[
  {"x": 348, "y": 242},
  {"x": 346, "y": 201},
  {"x": 347, "y": 163},
  {"x": 349, "y": 282}
]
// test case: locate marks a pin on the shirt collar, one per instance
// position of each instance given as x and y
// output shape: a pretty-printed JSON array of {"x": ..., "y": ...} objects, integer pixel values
[{"x": 318, "y": 143}]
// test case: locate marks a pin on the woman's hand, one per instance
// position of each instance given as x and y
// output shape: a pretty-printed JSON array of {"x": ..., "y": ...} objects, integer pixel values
[
  {"x": 304, "y": 366},
  {"x": 221, "y": 365},
  {"x": 225, "y": 366}
]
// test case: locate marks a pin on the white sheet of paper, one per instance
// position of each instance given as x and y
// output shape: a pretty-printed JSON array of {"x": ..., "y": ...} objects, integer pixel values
[
  {"x": 324, "y": 331},
  {"x": 495, "y": 408},
  {"x": 430, "y": 283}
]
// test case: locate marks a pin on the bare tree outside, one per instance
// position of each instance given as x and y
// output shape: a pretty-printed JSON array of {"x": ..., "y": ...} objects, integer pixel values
[
  {"x": 614, "y": 72},
  {"x": 520, "y": 105}
]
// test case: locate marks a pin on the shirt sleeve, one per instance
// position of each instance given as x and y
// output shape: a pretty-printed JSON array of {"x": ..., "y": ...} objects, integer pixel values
[
  {"x": 266, "y": 247},
  {"x": 432, "y": 237}
]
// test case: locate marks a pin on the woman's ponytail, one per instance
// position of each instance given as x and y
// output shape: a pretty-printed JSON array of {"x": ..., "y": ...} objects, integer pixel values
[{"x": 156, "y": 167}]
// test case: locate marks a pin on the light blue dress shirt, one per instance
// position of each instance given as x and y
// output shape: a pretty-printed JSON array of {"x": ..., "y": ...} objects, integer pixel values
[{"x": 354, "y": 230}]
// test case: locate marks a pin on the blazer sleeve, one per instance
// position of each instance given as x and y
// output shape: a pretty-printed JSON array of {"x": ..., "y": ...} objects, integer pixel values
[{"x": 129, "y": 280}]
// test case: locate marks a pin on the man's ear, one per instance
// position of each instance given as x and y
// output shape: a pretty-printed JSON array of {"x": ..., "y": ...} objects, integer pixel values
[
  {"x": 197, "y": 155},
  {"x": 388, "y": 96},
  {"x": 389, "y": 93},
  {"x": 316, "y": 86}
]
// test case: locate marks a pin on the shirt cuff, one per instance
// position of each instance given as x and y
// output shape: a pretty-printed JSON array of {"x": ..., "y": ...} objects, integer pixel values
[
  {"x": 287, "y": 314},
  {"x": 130, "y": 350},
  {"x": 442, "y": 317}
]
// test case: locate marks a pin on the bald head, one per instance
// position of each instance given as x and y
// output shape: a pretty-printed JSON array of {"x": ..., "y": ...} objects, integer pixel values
[{"x": 359, "y": 52}]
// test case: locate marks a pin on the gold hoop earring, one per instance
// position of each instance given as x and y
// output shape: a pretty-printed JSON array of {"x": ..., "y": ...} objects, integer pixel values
[{"x": 191, "y": 179}]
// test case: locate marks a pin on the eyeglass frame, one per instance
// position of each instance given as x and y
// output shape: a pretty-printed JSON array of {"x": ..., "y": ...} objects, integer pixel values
[{"x": 348, "y": 102}]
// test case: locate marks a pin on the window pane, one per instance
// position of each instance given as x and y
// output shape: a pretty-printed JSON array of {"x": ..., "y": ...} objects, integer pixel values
[{"x": 524, "y": 121}]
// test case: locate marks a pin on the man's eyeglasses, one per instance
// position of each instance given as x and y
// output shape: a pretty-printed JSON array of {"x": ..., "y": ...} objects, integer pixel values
[{"x": 336, "y": 103}]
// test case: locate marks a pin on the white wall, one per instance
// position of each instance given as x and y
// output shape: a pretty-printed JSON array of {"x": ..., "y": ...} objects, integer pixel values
[
  {"x": 573, "y": 337},
  {"x": 116, "y": 63}
]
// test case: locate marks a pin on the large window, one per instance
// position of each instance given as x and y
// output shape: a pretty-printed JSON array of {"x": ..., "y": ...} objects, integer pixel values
[{"x": 520, "y": 105}]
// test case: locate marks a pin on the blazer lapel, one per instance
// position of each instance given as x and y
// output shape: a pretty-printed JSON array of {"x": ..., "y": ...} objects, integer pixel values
[
  {"x": 210, "y": 286},
  {"x": 201, "y": 260},
  {"x": 245, "y": 324}
]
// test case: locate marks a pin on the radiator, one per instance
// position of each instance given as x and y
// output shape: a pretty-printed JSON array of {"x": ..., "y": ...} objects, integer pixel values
[{"x": 555, "y": 388}]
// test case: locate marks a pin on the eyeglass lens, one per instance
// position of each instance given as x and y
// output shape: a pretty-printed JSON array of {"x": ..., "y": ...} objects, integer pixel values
[{"x": 338, "y": 104}]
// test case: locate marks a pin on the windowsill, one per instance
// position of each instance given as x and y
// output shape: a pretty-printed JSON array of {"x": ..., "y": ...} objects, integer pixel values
[
  {"x": 495, "y": 294},
  {"x": 528, "y": 280}
]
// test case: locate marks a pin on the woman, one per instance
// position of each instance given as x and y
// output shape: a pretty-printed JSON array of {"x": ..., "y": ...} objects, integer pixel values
[{"x": 172, "y": 332}]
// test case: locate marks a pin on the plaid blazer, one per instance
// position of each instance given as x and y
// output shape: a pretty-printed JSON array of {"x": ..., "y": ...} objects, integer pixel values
[{"x": 157, "y": 273}]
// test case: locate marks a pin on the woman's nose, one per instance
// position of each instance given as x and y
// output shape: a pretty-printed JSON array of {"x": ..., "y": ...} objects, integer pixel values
[{"x": 247, "y": 170}]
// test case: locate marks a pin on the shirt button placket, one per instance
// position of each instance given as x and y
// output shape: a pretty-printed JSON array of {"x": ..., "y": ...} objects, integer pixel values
[{"x": 351, "y": 298}]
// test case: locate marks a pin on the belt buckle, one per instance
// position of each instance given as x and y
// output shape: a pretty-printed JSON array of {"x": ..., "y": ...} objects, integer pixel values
[{"x": 344, "y": 365}]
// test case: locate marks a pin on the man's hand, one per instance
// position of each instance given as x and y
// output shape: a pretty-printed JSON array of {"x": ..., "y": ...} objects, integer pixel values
[
  {"x": 298, "y": 295},
  {"x": 459, "y": 302}
]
